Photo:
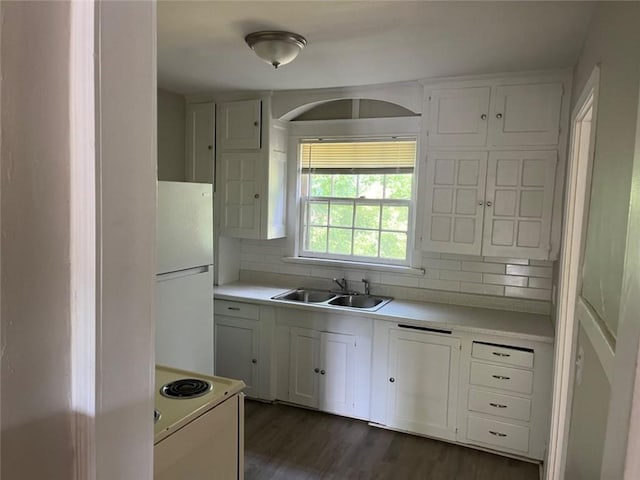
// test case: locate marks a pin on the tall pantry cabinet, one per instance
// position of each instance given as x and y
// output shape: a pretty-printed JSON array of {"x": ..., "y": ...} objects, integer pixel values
[{"x": 492, "y": 178}]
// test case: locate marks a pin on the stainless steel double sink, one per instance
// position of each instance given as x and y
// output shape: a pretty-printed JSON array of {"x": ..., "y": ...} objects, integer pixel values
[{"x": 334, "y": 299}]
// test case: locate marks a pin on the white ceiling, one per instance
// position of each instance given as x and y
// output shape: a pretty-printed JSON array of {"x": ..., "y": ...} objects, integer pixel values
[{"x": 201, "y": 44}]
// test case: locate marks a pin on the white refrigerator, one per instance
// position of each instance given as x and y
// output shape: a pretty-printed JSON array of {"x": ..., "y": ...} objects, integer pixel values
[{"x": 184, "y": 280}]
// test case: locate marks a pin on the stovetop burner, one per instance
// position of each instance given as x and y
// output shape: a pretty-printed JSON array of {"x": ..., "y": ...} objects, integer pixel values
[
  {"x": 186, "y": 388},
  {"x": 156, "y": 416}
]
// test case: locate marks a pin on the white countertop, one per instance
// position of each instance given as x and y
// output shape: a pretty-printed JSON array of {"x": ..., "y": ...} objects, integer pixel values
[{"x": 436, "y": 315}]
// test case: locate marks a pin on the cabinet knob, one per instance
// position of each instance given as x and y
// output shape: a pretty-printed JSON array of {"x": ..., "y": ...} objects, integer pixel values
[
  {"x": 489, "y": 204},
  {"x": 392, "y": 379},
  {"x": 256, "y": 123},
  {"x": 257, "y": 195},
  {"x": 316, "y": 370},
  {"x": 499, "y": 116},
  {"x": 210, "y": 147},
  {"x": 483, "y": 116},
  {"x": 480, "y": 202},
  {"x": 322, "y": 372},
  {"x": 253, "y": 360}
]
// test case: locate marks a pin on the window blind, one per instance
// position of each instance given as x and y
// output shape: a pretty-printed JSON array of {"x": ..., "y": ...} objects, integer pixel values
[{"x": 397, "y": 154}]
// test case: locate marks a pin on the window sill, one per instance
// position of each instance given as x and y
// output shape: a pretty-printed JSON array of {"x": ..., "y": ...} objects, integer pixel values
[{"x": 419, "y": 272}]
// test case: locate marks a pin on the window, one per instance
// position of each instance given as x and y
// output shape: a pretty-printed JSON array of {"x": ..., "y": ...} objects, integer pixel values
[{"x": 357, "y": 199}]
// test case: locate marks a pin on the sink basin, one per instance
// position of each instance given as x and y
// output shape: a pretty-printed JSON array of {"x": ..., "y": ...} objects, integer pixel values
[
  {"x": 358, "y": 301},
  {"x": 333, "y": 299},
  {"x": 306, "y": 296}
]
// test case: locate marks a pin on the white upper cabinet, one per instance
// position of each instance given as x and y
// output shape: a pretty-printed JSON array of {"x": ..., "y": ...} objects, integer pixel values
[
  {"x": 503, "y": 209},
  {"x": 458, "y": 116},
  {"x": 240, "y": 194},
  {"x": 199, "y": 136},
  {"x": 455, "y": 182},
  {"x": 239, "y": 125},
  {"x": 251, "y": 183},
  {"x": 525, "y": 114},
  {"x": 491, "y": 185},
  {"x": 519, "y": 202}
]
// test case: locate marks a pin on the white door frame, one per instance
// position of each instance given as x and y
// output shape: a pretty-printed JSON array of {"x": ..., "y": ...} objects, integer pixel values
[{"x": 575, "y": 214}]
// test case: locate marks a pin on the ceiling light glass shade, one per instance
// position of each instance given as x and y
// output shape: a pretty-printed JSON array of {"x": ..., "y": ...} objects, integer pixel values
[{"x": 276, "y": 48}]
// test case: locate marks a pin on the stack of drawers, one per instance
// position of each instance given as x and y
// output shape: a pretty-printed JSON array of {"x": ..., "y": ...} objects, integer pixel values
[{"x": 500, "y": 397}]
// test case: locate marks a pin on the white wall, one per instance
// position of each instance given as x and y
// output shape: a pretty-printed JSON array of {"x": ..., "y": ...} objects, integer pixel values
[
  {"x": 171, "y": 136},
  {"x": 36, "y": 368},
  {"x": 612, "y": 41}
]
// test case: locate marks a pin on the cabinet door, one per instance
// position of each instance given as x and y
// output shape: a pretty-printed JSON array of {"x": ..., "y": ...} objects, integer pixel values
[
  {"x": 458, "y": 116},
  {"x": 525, "y": 114},
  {"x": 240, "y": 194},
  {"x": 455, "y": 183},
  {"x": 200, "y": 134},
  {"x": 422, "y": 383},
  {"x": 239, "y": 125},
  {"x": 336, "y": 367},
  {"x": 304, "y": 367},
  {"x": 236, "y": 350},
  {"x": 519, "y": 202}
]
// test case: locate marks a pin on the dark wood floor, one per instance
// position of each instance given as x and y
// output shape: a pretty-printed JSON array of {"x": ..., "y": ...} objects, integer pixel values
[{"x": 283, "y": 442}]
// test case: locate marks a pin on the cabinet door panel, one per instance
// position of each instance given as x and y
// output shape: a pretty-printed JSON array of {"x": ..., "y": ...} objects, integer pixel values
[
  {"x": 200, "y": 134},
  {"x": 237, "y": 350},
  {"x": 336, "y": 383},
  {"x": 304, "y": 360},
  {"x": 519, "y": 199},
  {"x": 458, "y": 116},
  {"x": 422, "y": 384},
  {"x": 526, "y": 114},
  {"x": 239, "y": 125},
  {"x": 455, "y": 184},
  {"x": 240, "y": 193}
]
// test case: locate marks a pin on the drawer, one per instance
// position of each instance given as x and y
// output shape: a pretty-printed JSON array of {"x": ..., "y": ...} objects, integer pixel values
[
  {"x": 236, "y": 309},
  {"x": 519, "y": 357},
  {"x": 493, "y": 403},
  {"x": 504, "y": 378},
  {"x": 500, "y": 434}
]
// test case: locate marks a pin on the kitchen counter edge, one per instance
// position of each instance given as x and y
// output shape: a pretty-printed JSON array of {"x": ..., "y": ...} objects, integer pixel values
[{"x": 528, "y": 326}]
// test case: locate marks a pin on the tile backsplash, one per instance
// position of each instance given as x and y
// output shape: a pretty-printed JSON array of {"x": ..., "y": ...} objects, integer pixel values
[{"x": 509, "y": 283}]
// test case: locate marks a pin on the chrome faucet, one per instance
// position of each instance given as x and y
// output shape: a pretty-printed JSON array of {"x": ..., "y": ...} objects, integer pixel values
[
  {"x": 342, "y": 284},
  {"x": 367, "y": 291}
]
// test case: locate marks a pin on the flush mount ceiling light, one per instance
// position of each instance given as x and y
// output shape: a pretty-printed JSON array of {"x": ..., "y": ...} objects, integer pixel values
[{"x": 274, "y": 47}]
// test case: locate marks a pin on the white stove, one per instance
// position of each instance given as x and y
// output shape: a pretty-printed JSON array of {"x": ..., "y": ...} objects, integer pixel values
[{"x": 198, "y": 426}]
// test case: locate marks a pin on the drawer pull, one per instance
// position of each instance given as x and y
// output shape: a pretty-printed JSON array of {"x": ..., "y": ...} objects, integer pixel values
[
  {"x": 497, "y": 405},
  {"x": 233, "y": 308},
  {"x": 501, "y": 377},
  {"x": 497, "y": 434},
  {"x": 498, "y": 354}
]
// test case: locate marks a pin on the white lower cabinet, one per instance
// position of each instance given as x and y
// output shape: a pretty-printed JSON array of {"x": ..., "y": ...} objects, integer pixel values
[
  {"x": 421, "y": 381},
  {"x": 486, "y": 391},
  {"x": 505, "y": 395},
  {"x": 325, "y": 361},
  {"x": 243, "y": 345},
  {"x": 321, "y": 369}
]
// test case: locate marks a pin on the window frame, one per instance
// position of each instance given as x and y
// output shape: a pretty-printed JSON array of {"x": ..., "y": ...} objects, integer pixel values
[{"x": 302, "y": 201}]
